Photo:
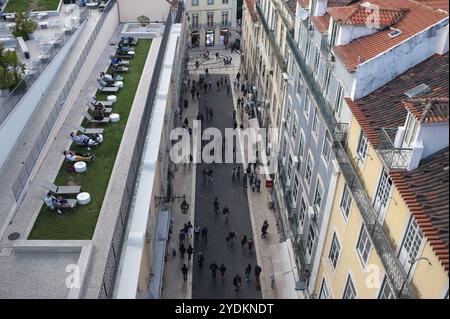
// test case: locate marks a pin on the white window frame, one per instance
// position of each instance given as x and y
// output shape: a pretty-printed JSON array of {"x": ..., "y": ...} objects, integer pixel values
[
  {"x": 309, "y": 170},
  {"x": 346, "y": 202},
  {"x": 318, "y": 183},
  {"x": 411, "y": 129},
  {"x": 301, "y": 145},
  {"x": 383, "y": 291},
  {"x": 210, "y": 2},
  {"x": 367, "y": 245},
  {"x": 309, "y": 243},
  {"x": 324, "y": 291},
  {"x": 294, "y": 131},
  {"x": 412, "y": 239},
  {"x": 349, "y": 283},
  {"x": 295, "y": 186},
  {"x": 327, "y": 144},
  {"x": 302, "y": 212},
  {"x": 195, "y": 3},
  {"x": 315, "y": 128},
  {"x": 362, "y": 148},
  {"x": 334, "y": 252},
  {"x": 307, "y": 108}
]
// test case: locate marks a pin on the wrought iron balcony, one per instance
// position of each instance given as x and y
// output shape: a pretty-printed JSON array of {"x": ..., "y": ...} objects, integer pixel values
[
  {"x": 394, "y": 269},
  {"x": 224, "y": 24},
  {"x": 195, "y": 26},
  {"x": 325, "y": 45},
  {"x": 393, "y": 157},
  {"x": 271, "y": 37}
]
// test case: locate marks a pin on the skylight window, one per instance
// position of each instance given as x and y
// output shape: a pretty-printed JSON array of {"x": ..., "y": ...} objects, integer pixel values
[
  {"x": 394, "y": 32},
  {"x": 418, "y": 90}
]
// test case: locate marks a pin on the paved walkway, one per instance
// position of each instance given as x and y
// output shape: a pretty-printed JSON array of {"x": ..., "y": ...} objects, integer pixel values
[
  {"x": 234, "y": 196},
  {"x": 173, "y": 285}
]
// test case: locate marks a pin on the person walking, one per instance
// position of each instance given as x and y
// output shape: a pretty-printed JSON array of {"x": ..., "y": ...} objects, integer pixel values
[
  {"x": 182, "y": 236},
  {"x": 231, "y": 237},
  {"x": 210, "y": 113},
  {"x": 233, "y": 174},
  {"x": 258, "y": 271},
  {"x": 250, "y": 246},
  {"x": 213, "y": 268},
  {"x": 258, "y": 185},
  {"x": 184, "y": 270},
  {"x": 198, "y": 95},
  {"x": 243, "y": 241},
  {"x": 244, "y": 181},
  {"x": 190, "y": 230},
  {"x": 248, "y": 271},
  {"x": 264, "y": 228},
  {"x": 237, "y": 281},
  {"x": 222, "y": 270},
  {"x": 205, "y": 235},
  {"x": 238, "y": 173},
  {"x": 216, "y": 205},
  {"x": 210, "y": 175},
  {"x": 197, "y": 230},
  {"x": 226, "y": 213},
  {"x": 200, "y": 259},
  {"x": 182, "y": 250},
  {"x": 190, "y": 251},
  {"x": 204, "y": 172}
]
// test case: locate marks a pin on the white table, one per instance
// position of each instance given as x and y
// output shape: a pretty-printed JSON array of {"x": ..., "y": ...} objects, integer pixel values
[
  {"x": 80, "y": 167},
  {"x": 131, "y": 52},
  {"x": 119, "y": 84},
  {"x": 92, "y": 5},
  {"x": 112, "y": 98},
  {"x": 84, "y": 198},
  {"x": 114, "y": 117}
]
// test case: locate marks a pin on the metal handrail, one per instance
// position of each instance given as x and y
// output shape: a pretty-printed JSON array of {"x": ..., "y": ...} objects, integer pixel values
[
  {"x": 393, "y": 157},
  {"x": 269, "y": 32},
  {"x": 394, "y": 269}
]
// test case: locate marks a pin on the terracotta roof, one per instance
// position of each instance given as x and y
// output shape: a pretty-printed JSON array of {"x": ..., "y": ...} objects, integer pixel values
[
  {"x": 385, "y": 107},
  {"x": 251, "y": 9},
  {"x": 303, "y": 3},
  {"x": 431, "y": 110},
  {"x": 414, "y": 17},
  {"x": 321, "y": 23},
  {"x": 436, "y": 4},
  {"x": 338, "y": 3},
  {"x": 360, "y": 15},
  {"x": 292, "y": 6},
  {"x": 426, "y": 191}
]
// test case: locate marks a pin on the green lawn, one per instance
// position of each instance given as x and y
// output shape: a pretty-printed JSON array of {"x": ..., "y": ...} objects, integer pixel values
[
  {"x": 80, "y": 223},
  {"x": 31, "y": 5}
]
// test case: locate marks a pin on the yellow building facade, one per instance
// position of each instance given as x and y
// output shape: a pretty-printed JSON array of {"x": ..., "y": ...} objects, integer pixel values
[
  {"x": 210, "y": 22},
  {"x": 350, "y": 265}
]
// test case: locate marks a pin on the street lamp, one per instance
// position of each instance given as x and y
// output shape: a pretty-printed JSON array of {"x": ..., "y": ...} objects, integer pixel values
[{"x": 412, "y": 262}]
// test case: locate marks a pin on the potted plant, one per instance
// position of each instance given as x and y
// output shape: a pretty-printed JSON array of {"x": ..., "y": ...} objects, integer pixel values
[
  {"x": 24, "y": 27},
  {"x": 143, "y": 21},
  {"x": 11, "y": 71}
]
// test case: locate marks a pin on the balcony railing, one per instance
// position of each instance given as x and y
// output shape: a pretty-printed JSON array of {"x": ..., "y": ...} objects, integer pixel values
[
  {"x": 195, "y": 26},
  {"x": 393, "y": 157},
  {"x": 394, "y": 269},
  {"x": 325, "y": 45},
  {"x": 271, "y": 37}
]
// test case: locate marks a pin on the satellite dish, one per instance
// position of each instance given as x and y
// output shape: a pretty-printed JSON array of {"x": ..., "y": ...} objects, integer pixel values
[{"x": 303, "y": 14}]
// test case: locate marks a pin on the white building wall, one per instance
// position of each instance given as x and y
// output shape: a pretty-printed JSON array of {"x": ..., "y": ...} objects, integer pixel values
[
  {"x": 156, "y": 10},
  {"x": 399, "y": 59},
  {"x": 434, "y": 137}
]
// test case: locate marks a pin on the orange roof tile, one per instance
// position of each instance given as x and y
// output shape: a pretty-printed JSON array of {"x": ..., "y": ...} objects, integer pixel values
[
  {"x": 321, "y": 23},
  {"x": 429, "y": 110},
  {"x": 436, "y": 4},
  {"x": 428, "y": 186},
  {"x": 417, "y": 18}
]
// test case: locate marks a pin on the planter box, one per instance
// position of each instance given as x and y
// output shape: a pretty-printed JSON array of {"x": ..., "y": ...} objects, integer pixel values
[
  {"x": 5, "y": 92},
  {"x": 50, "y": 13}
]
